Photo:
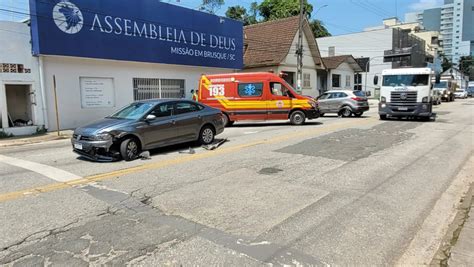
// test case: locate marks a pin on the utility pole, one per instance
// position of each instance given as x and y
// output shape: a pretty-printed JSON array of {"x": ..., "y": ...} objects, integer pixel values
[{"x": 299, "y": 50}]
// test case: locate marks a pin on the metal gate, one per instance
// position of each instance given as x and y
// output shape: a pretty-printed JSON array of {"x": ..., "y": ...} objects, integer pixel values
[{"x": 149, "y": 88}]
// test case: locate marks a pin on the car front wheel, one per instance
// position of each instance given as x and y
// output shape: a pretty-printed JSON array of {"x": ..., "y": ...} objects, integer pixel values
[
  {"x": 297, "y": 117},
  {"x": 129, "y": 149},
  {"x": 206, "y": 136}
]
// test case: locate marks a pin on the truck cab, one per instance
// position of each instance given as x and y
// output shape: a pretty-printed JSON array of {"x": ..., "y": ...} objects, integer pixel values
[
  {"x": 406, "y": 93},
  {"x": 445, "y": 88}
]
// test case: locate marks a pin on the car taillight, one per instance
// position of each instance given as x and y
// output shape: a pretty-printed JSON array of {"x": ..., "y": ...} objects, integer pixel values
[{"x": 358, "y": 99}]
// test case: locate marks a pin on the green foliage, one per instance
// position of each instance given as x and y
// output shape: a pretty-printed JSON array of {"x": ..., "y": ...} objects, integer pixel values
[
  {"x": 278, "y": 9},
  {"x": 318, "y": 29},
  {"x": 5, "y": 135},
  {"x": 466, "y": 65},
  {"x": 241, "y": 13},
  {"x": 446, "y": 64},
  {"x": 211, "y": 6}
]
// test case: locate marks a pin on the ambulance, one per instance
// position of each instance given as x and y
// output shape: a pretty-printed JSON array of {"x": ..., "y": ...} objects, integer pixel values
[{"x": 255, "y": 96}]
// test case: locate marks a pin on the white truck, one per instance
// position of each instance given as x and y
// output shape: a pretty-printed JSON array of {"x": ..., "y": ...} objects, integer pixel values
[{"x": 406, "y": 93}]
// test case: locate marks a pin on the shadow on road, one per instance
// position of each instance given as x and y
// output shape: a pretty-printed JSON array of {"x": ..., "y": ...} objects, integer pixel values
[{"x": 268, "y": 124}]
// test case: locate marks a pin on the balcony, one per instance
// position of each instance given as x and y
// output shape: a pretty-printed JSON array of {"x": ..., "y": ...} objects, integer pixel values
[{"x": 398, "y": 52}]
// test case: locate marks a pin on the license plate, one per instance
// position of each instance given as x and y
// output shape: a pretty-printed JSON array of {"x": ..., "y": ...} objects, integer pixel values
[
  {"x": 78, "y": 146},
  {"x": 402, "y": 108}
]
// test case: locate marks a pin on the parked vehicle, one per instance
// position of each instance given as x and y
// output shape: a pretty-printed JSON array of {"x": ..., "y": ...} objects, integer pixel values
[
  {"x": 255, "y": 96},
  {"x": 145, "y": 125},
  {"x": 436, "y": 97},
  {"x": 405, "y": 93},
  {"x": 460, "y": 93},
  {"x": 343, "y": 102},
  {"x": 446, "y": 88},
  {"x": 470, "y": 91}
]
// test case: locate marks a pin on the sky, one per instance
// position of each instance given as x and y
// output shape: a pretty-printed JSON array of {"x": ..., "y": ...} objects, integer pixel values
[{"x": 339, "y": 16}]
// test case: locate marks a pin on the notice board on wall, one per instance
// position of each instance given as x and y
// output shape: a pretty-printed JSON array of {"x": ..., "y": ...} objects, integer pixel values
[{"x": 97, "y": 92}]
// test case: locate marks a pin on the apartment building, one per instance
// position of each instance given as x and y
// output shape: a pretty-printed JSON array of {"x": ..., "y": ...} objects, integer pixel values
[{"x": 454, "y": 21}]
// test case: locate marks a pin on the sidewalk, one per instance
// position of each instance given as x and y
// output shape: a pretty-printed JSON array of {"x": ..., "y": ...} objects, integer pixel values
[
  {"x": 32, "y": 139},
  {"x": 373, "y": 103},
  {"x": 462, "y": 253}
]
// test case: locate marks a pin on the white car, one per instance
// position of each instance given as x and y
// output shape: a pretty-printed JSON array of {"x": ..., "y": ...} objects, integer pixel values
[{"x": 460, "y": 94}]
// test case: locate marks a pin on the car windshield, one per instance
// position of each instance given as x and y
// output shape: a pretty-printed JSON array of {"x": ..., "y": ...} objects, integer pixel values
[
  {"x": 459, "y": 91},
  {"x": 133, "y": 112},
  {"x": 440, "y": 85},
  {"x": 405, "y": 80}
]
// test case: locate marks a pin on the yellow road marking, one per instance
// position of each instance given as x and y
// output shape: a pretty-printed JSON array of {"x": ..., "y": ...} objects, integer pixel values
[{"x": 170, "y": 162}]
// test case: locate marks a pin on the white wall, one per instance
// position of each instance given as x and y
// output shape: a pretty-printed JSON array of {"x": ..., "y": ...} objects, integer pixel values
[
  {"x": 290, "y": 64},
  {"x": 68, "y": 70},
  {"x": 344, "y": 70},
  {"x": 363, "y": 44},
  {"x": 16, "y": 49}
]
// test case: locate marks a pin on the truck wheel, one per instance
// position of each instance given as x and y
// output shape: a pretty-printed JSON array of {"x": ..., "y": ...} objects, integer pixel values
[
  {"x": 129, "y": 149},
  {"x": 345, "y": 112},
  {"x": 383, "y": 117},
  {"x": 297, "y": 117}
]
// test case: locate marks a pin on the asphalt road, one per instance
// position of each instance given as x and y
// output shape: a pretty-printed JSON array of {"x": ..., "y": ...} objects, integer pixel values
[{"x": 352, "y": 191}]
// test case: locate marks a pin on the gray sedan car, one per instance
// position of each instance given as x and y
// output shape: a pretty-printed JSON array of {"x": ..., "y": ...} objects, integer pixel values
[{"x": 146, "y": 125}]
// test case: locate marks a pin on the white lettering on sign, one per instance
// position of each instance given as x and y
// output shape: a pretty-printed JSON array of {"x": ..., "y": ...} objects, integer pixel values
[
  {"x": 97, "y": 92},
  {"x": 216, "y": 90}
]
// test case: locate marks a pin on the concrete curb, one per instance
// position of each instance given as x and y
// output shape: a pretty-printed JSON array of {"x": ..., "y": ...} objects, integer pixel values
[{"x": 34, "y": 139}]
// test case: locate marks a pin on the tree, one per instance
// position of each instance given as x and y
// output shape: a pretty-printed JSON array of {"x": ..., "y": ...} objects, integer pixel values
[
  {"x": 236, "y": 12},
  {"x": 278, "y": 9},
  {"x": 240, "y": 13},
  {"x": 466, "y": 64},
  {"x": 211, "y": 6},
  {"x": 446, "y": 64},
  {"x": 318, "y": 29}
]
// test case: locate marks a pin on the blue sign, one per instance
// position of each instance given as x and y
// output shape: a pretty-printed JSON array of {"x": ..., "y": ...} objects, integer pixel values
[{"x": 139, "y": 30}]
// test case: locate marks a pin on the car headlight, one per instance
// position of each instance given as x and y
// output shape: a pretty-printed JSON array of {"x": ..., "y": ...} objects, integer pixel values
[
  {"x": 102, "y": 137},
  {"x": 313, "y": 103}
]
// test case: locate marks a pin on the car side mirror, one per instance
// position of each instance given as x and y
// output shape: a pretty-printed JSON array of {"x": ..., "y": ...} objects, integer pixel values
[
  {"x": 431, "y": 86},
  {"x": 376, "y": 80},
  {"x": 150, "y": 117}
]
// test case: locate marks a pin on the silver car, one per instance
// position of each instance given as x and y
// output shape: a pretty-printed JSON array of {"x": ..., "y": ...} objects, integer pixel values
[
  {"x": 343, "y": 102},
  {"x": 146, "y": 125}
]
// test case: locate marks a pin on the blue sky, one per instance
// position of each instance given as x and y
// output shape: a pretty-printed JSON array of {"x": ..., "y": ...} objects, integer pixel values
[{"x": 339, "y": 16}]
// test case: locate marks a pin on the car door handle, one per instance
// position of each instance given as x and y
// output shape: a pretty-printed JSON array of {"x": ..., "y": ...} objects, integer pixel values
[
  {"x": 199, "y": 117},
  {"x": 173, "y": 122}
]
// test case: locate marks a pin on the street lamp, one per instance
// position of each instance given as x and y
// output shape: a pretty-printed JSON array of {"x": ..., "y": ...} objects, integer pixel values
[{"x": 317, "y": 10}]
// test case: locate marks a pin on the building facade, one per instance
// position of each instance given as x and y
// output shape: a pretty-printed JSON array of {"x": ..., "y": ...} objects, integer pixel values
[
  {"x": 342, "y": 73},
  {"x": 454, "y": 20},
  {"x": 106, "y": 58},
  {"x": 269, "y": 52},
  {"x": 376, "y": 50}
]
